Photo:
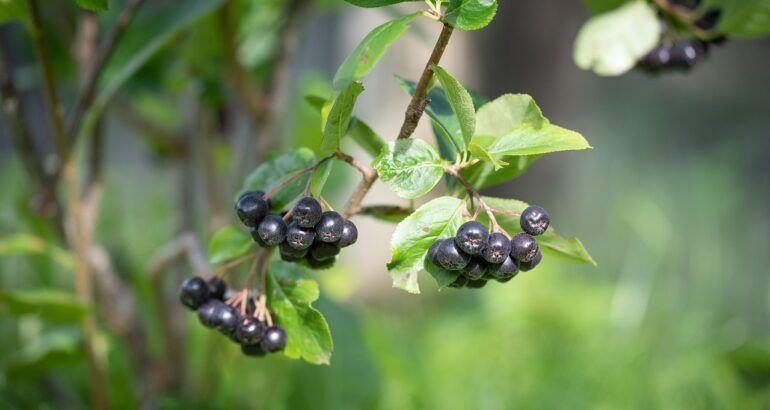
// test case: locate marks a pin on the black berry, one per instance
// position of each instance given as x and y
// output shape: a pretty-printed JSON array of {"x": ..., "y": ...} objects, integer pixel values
[
  {"x": 459, "y": 282},
  {"x": 249, "y": 331},
  {"x": 298, "y": 237},
  {"x": 349, "y": 234},
  {"x": 194, "y": 292},
  {"x": 534, "y": 220},
  {"x": 433, "y": 252},
  {"x": 207, "y": 311},
  {"x": 322, "y": 251},
  {"x": 307, "y": 212},
  {"x": 320, "y": 264},
  {"x": 275, "y": 339},
  {"x": 476, "y": 284},
  {"x": 523, "y": 247},
  {"x": 498, "y": 248},
  {"x": 272, "y": 230},
  {"x": 217, "y": 288},
  {"x": 528, "y": 266},
  {"x": 330, "y": 227},
  {"x": 253, "y": 350},
  {"x": 505, "y": 270},
  {"x": 450, "y": 256},
  {"x": 472, "y": 237},
  {"x": 255, "y": 235},
  {"x": 251, "y": 208},
  {"x": 709, "y": 20},
  {"x": 286, "y": 249},
  {"x": 687, "y": 52},
  {"x": 476, "y": 269},
  {"x": 225, "y": 318}
]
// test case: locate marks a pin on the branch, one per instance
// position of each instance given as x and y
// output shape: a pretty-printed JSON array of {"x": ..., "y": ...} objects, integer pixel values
[
  {"x": 186, "y": 245},
  {"x": 411, "y": 118}
]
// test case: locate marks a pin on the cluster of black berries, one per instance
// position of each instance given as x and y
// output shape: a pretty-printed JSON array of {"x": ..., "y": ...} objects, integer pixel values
[
  {"x": 312, "y": 236},
  {"x": 682, "y": 53},
  {"x": 481, "y": 256},
  {"x": 208, "y": 298}
]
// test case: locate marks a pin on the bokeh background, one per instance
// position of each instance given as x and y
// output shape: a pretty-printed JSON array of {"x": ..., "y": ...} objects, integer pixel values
[{"x": 673, "y": 202}]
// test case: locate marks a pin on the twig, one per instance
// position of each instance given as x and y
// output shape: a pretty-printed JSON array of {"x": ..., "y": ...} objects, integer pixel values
[
  {"x": 80, "y": 239},
  {"x": 185, "y": 245},
  {"x": 412, "y": 116},
  {"x": 384, "y": 210}
]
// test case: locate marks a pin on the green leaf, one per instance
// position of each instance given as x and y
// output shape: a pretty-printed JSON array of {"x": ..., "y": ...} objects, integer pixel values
[
  {"x": 611, "y": 43},
  {"x": 550, "y": 242},
  {"x": 365, "y": 137},
  {"x": 744, "y": 18},
  {"x": 442, "y": 276},
  {"x": 273, "y": 172},
  {"x": 601, "y": 6},
  {"x": 11, "y": 10},
  {"x": 410, "y": 167},
  {"x": 479, "y": 152},
  {"x": 484, "y": 175},
  {"x": 370, "y": 50},
  {"x": 446, "y": 124},
  {"x": 291, "y": 293},
  {"x": 437, "y": 219},
  {"x": 229, "y": 243},
  {"x": 142, "y": 40},
  {"x": 49, "y": 304},
  {"x": 526, "y": 139},
  {"x": 376, "y": 3},
  {"x": 320, "y": 176},
  {"x": 93, "y": 5},
  {"x": 47, "y": 351},
  {"x": 461, "y": 102},
  {"x": 470, "y": 14},
  {"x": 24, "y": 244},
  {"x": 339, "y": 117},
  {"x": 504, "y": 113},
  {"x": 386, "y": 213}
]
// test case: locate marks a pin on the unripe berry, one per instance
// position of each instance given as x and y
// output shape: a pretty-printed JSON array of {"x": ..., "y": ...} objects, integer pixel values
[
  {"x": 349, "y": 234},
  {"x": 217, "y": 288},
  {"x": 253, "y": 350},
  {"x": 251, "y": 208},
  {"x": 307, "y": 212},
  {"x": 472, "y": 237},
  {"x": 250, "y": 331},
  {"x": 298, "y": 237},
  {"x": 272, "y": 230},
  {"x": 534, "y": 220},
  {"x": 475, "y": 269},
  {"x": 498, "y": 248},
  {"x": 194, "y": 292},
  {"x": 275, "y": 339},
  {"x": 528, "y": 266},
  {"x": 523, "y": 247},
  {"x": 329, "y": 228},
  {"x": 450, "y": 257}
]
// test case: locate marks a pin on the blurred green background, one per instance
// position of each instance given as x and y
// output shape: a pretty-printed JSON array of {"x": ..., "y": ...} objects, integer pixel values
[{"x": 673, "y": 202}]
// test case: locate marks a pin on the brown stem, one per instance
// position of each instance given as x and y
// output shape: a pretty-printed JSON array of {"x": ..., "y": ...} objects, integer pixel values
[
  {"x": 79, "y": 240},
  {"x": 411, "y": 118}
]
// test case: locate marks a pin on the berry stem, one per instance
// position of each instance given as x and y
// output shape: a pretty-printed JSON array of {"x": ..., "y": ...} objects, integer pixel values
[
  {"x": 472, "y": 192},
  {"x": 233, "y": 263},
  {"x": 684, "y": 18},
  {"x": 296, "y": 174}
]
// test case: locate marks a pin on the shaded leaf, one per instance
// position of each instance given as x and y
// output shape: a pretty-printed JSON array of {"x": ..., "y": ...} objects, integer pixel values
[
  {"x": 49, "y": 304},
  {"x": 365, "y": 137},
  {"x": 320, "y": 176},
  {"x": 229, "y": 243},
  {"x": 370, "y": 50},
  {"x": 437, "y": 219},
  {"x": 291, "y": 293},
  {"x": 41, "y": 354},
  {"x": 461, "y": 102},
  {"x": 24, "y": 244},
  {"x": 273, "y": 172},
  {"x": 446, "y": 124},
  {"x": 744, "y": 18},
  {"x": 93, "y": 5},
  {"x": 339, "y": 116},
  {"x": 386, "y": 213},
  {"x": 410, "y": 167}
]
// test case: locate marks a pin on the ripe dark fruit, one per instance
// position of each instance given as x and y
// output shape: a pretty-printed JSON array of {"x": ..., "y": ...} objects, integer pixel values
[
  {"x": 523, "y": 247},
  {"x": 255, "y": 235},
  {"x": 459, "y": 282},
  {"x": 206, "y": 313},
  {"x": 450, "y": 256},
  {"x": 322, "y": 251},
  {"x": 253, "y": 350},
  {"x": 194, "y": 292},
  {"x": 433, "y": 252},
  {"x": 298, "y": 237},
  {"x": 349, "y": 234},
  {"x": 475, "y": 269},
  {"x": 217, "y": 288},
  {"x": 320, "y": 264},
  {"x": 274, "y": 340},
  {"x": 528, "y": 266},
  {"x": 476, "y": 284},
  {"x": 498, "y": 248},
  {"x": 225, "y": 318},
  {"x": 286, "y": 249},
  {"x": 251, "y": 208},
  {"x": 307, "y": 212},
  {"x": 249, "y": 331},
  {"x": 272, "y": 230},
  {"x": 709, "y": 20},
  {"x": 505, "y": 270},
  {"x": 687, "y": 52},
  {"x": 534, "y": 220},
  {"x": 472, "y": 237},
  {"x": 686, "y": 4},
  {"x": 329, "y": 228}
]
